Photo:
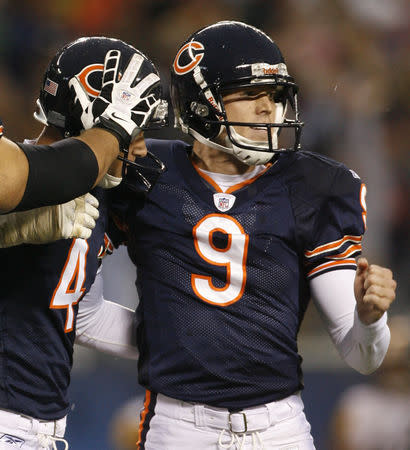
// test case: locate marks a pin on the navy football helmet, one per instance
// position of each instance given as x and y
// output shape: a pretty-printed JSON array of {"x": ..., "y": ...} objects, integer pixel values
[
  {"x": 84, "y": 58},
  {"x": 222, "y": 58}
]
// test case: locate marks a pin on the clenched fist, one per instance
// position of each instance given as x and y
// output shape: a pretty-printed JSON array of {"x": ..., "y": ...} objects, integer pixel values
[{"x": 375, "y": 290}]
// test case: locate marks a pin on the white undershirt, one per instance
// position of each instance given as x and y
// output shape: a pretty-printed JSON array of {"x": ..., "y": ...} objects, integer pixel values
[
  {"x": 104, "y": 325},
  {"x": 362, "y": 347},
  {"x": 225, "y": 181}
]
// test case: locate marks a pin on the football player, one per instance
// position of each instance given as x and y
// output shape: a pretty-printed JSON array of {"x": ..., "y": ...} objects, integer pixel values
[
  {"x": 233, "y": 240},
  {"x": 46, "y": 289}
]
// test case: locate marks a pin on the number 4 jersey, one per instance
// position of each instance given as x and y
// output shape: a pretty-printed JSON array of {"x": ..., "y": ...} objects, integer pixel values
[
  {"x": 223, "y": 277},
  {"x": 41, "y": 288}
]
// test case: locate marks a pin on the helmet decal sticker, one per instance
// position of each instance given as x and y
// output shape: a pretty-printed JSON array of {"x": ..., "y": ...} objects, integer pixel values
[
  {"x": 195, "y": 59},
  {"x": 262, "y": 69},
  {"x": 85, "y": 73},
  {"x": 51, "y": 87}
]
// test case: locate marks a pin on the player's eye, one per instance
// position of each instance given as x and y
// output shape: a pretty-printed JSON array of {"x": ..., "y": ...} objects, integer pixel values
[
  {"x": 277, "y": 95},
  {"x": 272, "y": 96}
]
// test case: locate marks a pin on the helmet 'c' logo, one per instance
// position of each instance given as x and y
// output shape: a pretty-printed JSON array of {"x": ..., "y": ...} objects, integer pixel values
[
  {"x": 85, "y": 73},
  {"x": 195, "y": 59}
]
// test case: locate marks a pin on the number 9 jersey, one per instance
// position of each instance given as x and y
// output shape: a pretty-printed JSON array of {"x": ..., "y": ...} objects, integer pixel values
[{"x": 223, "y": 276}]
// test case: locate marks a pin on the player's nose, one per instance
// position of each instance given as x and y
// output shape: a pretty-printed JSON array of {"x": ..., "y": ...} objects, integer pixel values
[{"x": 264, "y": 105}]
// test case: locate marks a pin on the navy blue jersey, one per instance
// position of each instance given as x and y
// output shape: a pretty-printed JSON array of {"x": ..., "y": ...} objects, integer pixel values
[
  {"x": 223, "y": 279},
  {"x": 41, "y": 288}
]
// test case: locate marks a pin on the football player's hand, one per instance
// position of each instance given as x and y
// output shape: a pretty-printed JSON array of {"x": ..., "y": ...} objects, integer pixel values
[
  {"x": 129, "y": 107},
  {"x": 120, "y": 108},
  {"x": 375, "y": 290},
  {"x": 74, "y": 219},
  {"x": 83, "y": 108}
]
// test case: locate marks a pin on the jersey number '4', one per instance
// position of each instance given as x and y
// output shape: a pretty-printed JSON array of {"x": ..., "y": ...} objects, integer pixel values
[
  {"x": 70, "y": 287},
  {"x": 233, "y": 257}
]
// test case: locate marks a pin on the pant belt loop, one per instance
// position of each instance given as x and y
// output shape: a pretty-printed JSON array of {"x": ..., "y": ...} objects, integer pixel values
[
  {"x": 199, "y": 415},
  {"x": 34, "y": 425},
  {"x": 238, "y": 422},
  {"x": 271, "y": 414}
]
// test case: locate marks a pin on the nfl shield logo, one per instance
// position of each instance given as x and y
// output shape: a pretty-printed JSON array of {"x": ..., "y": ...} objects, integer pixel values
[
  {"x": 224, "y": 202},
  {"x": 125, "y": 96}
]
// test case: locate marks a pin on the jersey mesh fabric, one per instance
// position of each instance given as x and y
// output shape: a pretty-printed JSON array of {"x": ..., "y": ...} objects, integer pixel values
[
  {"x": 245, "y": 353},
  {"x": 36, "y": 350}
]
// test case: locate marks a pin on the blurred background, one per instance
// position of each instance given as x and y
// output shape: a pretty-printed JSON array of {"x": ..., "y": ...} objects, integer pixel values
[{"x": 351, "y": 61}]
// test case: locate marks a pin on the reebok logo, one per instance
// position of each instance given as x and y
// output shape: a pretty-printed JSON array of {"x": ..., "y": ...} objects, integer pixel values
[{"x": 13, "y": 440}]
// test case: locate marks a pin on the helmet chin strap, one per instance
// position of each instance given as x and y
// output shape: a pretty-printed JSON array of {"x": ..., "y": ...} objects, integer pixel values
[
  {"x": 252, "y": 157},
  {"x": 249, "y": 157}
]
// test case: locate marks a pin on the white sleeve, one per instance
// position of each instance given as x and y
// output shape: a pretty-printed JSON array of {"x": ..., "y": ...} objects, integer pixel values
[
  {"x": 105, "y": 325},
  {"x": 362, "y": 347}
]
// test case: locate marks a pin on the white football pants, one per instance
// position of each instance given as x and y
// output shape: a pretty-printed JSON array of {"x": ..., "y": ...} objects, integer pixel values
[
  {"x": 18, "y": 431},
  {"x": 168, "y": 424}
]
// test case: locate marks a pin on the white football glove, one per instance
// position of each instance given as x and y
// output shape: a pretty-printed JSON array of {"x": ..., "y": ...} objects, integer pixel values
[
  {"x": 119, "y": 108},
  {"x": 74, "y": 219}
]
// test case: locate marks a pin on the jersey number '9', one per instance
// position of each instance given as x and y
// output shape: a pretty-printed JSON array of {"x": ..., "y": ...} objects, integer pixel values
[{"x": 233, "y": 257}]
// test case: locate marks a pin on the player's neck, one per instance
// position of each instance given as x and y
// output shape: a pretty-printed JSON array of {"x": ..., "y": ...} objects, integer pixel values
[{"x": 213, "y": 160}]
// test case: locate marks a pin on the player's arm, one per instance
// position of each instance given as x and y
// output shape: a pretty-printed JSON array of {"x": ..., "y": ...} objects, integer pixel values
[
  {"x": 362, "y": 346},
  {"x": 352, "y": 298},
  {"x": 38, "y": 175},
  {"x": 13, "y": 174},
  {"x": 105, "y": 325}
]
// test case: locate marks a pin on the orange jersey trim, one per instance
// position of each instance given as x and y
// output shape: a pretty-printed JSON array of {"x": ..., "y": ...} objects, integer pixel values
[
  {"x": 207, "y": 178},
  {"x": 363, "y": 192},
  {"x": 246, "y": 182},
  {"x": 331, "y": 264},
  {"x": 233, "y": 188},
  {"x": 347, "y": 252},
  {"x": 143, "y": 416},
  {"x": 332, "y": 245}
]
